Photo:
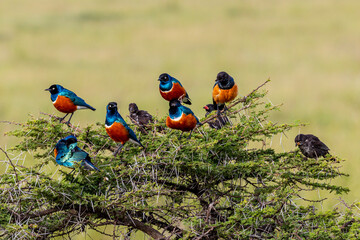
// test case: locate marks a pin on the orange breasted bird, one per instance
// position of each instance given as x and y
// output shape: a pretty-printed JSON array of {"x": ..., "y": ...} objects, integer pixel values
[
  {"x": 67, "y": 153},
  {"x": 66, "y": 101},
  {"x": 117, "y": 129},
  {"x": 225, "y": 90},
  {"x": 170, "y": 88},
  {"x": 181, "y": 117}
]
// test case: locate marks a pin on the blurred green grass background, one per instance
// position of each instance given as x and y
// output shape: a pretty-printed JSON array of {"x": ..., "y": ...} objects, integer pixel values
[{"x": 115, "y": 50}]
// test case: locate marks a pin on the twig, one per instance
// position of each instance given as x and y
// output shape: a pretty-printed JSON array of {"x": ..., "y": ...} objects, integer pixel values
[
  {"x": 11, "y": 163},
  {"x": 70, "y": 125},
  {"x": 134, "y": 122},
  {"x": 243, "y": 99},
  {"x": 214, "y": 116},
  {"x": 204, "y": 234},
  {"x": 308, "y": 200},
  {"x": 13, "y": 123}
]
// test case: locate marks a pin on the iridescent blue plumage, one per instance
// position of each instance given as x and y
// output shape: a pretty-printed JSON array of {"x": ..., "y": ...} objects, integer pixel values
[
  {"x": 176, "y": 110},
  {"x": 117, "y": 128},
  {"x": 66, "y": 101},
  {"x": 171, "y": 89},
  {"x": 167, "y": 85},
  {"x": 68, "y": 153},
  {"x": 181, "y": 117},
  {"x": 61, "y": 91}
]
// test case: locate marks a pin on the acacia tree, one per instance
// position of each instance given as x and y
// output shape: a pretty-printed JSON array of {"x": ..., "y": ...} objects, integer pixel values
[{"x": 212, "y": 186}]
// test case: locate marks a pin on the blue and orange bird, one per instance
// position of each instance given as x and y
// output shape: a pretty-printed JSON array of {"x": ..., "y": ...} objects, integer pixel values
[
  {"x": 170, "y": 88},
  {"x": 225, "y": 90},
  {"x": 181, "y": 117},
  {"x": 67, "y": 153},
  {"x": 117, "y": 129},
  {"x": 66, "y": 101}
]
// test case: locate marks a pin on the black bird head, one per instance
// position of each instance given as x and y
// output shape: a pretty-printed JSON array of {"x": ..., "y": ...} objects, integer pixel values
[
  {"x": 53, "y": 89},
  {"x": 133, "y": 108},
  {"x": 209, "y": 107},
  {"x": 299, "y": 139},
  {"x": 112, "y": 106},
  {"x": 164, "y": 77},
  {"x": 70, "y": 141},
  {"x": 174, "y": 103},
  {"x": 222, "y": 77}
]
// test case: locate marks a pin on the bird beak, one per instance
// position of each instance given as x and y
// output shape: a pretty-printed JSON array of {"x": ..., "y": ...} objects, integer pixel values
[
  {"x": 206, "y": 108},
  {"x": 297, "y": 144},
  {"x": 47, "y": 89},
  {"x": 159, "y": 79}
]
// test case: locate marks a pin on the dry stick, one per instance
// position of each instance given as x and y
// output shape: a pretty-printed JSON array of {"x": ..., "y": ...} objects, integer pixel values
[
  {"x": 16, "y": 175},
  {"x": 13, "y": 123},
  {"x": 243, "y": 99},
  {"x": 11, "y": 163},
  {"x": 205, "y": 234},
  {"x": 134, "y": 122},
  {"x": 70, "y": 125}
]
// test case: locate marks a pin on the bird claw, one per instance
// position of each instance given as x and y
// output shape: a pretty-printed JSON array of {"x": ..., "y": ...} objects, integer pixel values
[{"x": 117, "y": 151}]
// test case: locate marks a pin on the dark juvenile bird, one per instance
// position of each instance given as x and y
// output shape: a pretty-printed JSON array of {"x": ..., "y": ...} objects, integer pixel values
[
  {"x": 117, "y": 128},
  {"x": 181, "y": 117},
  {"x": 225, "y": 90},
  {"x": 215, "y": 123},
  {"x": 311, "y": 146},
  {"x": 66, "y": 101},
  {"x": 170, "y": 89},
  {"x": 67, "y": 153},
  {"x": 141, "y": 117}
]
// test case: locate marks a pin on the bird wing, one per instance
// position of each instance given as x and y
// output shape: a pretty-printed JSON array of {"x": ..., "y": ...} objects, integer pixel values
[
  {"x": 132, "y": 135},
  {"x": 62, "y": 157},
  {"x": 186, "y": 99},
  {"x": 78, "y": 155},
  {"x": 75, "y": 99},
  {"x": 317, "y": 144},
  {"x": 188, "y": 111},
  {"x": 174, "y": 80},
  {"x": 88, "y": 164},
  {"x": 144, "y": 115}
]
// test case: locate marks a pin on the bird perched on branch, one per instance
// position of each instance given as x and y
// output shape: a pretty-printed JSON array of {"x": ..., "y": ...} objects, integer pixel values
[
  {"x": 117, "y": 128},
  {"x": 67, "y": 153},
  {"x": 224, "y": 90},
  {"x": 66, "y": 101},
  {"x": 141, "y": 117},
  {"x": 311, "y": 146},
  {"x": 181, "y": 117},
  {"x": 171, "y": 89},
  {"x": 215, "y": 123}
]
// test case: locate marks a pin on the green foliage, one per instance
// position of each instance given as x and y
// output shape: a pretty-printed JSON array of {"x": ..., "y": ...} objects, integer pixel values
[{"x": 214, "y": 185}]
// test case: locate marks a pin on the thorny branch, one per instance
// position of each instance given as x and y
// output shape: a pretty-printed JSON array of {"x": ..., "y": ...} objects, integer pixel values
[
  {"x": 202, "y": 188},
  {"x": 12, "y": 164}
]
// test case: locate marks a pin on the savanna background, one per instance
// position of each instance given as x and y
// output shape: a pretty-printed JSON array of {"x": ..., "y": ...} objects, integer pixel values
[{"x": 115, "y": 50}]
